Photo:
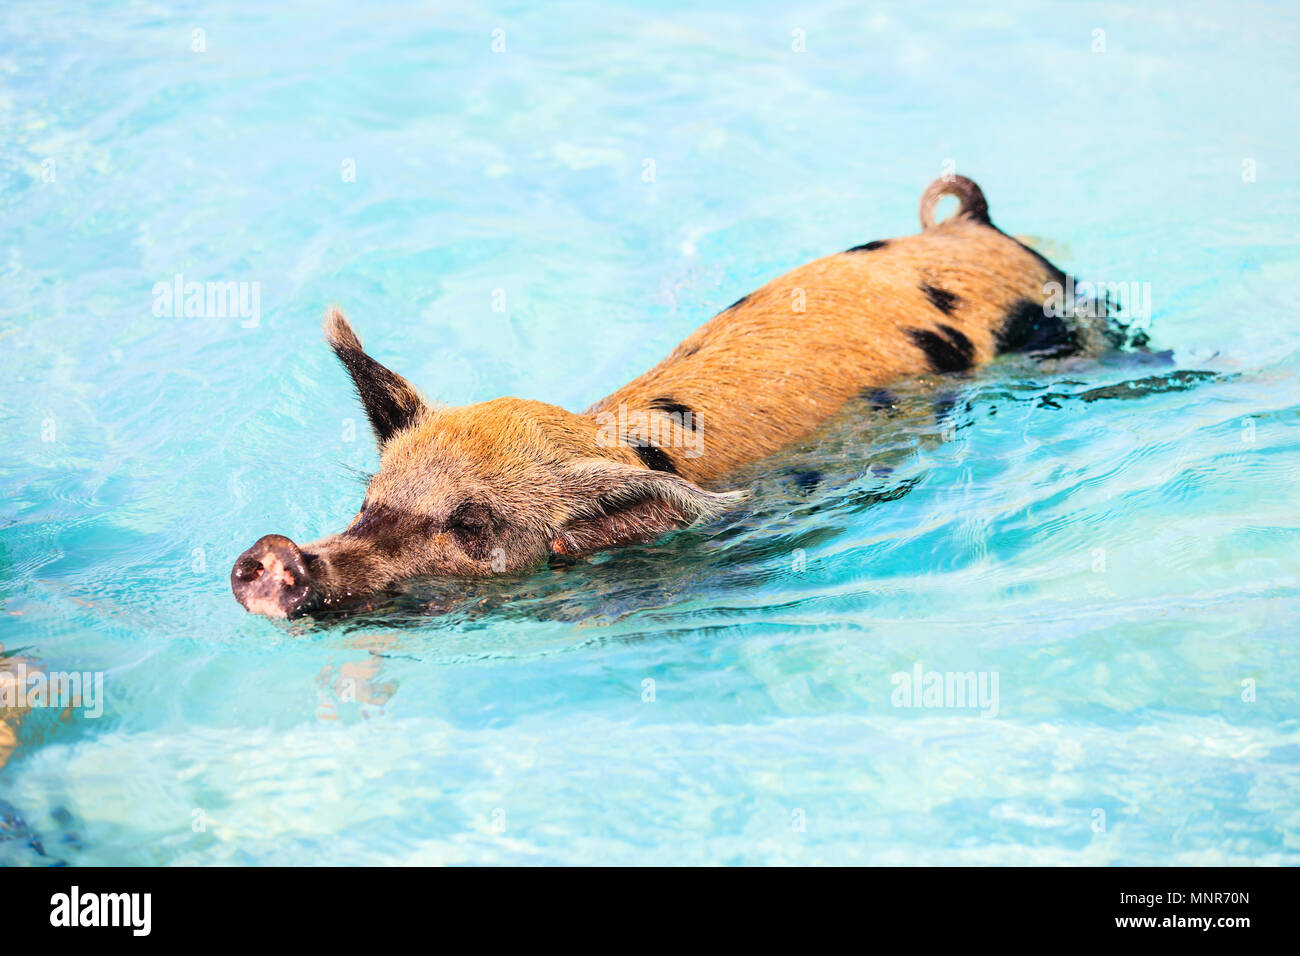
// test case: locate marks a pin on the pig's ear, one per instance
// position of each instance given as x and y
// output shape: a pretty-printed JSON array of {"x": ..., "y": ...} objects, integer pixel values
[
  {"x": 391, "y": 403},
  {"x": 623, "y": 504}
]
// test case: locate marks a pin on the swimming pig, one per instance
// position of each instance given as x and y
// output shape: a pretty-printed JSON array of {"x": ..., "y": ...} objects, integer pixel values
[{"x": 501, "y": 485}]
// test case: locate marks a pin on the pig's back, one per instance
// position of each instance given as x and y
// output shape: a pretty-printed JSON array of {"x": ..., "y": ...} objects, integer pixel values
[{"x": 769, "y": 369}]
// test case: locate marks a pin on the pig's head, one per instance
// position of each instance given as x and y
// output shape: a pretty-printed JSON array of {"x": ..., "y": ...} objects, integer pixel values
[{"x": 476, "y": 490}]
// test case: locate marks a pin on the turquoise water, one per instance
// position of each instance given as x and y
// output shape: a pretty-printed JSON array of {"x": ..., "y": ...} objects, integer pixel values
[{"x": 548, "y": 221}]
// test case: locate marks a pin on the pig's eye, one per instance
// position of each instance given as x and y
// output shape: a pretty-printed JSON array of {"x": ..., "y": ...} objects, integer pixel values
[
  {"x": 471, "y": 517},
  {"x": 472, "y": 525}
]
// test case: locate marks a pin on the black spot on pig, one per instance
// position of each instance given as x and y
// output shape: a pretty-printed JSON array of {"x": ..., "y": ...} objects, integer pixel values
[
  {"x": 651, "y": 455},
  {"x": 683, "y": 412},
  {"x": 947, "y": 350},
  {"x": 944, "y": 301},
  {"x": 1028, "y": 328}
]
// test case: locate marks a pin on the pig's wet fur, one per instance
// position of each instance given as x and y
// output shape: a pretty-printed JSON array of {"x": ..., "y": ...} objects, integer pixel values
[{"x": 507, "y": 486}]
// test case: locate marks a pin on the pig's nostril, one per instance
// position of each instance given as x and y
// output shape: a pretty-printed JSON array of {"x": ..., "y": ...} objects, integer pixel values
[{"x": 248, "y": 570}]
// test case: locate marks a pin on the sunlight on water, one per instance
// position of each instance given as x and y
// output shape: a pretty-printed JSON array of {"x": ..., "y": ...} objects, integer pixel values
[{"x": 1113, "y": 542}]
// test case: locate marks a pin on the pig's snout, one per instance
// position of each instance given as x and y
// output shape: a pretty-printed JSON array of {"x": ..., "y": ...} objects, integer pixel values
[{"x": 271, "y": 578}]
